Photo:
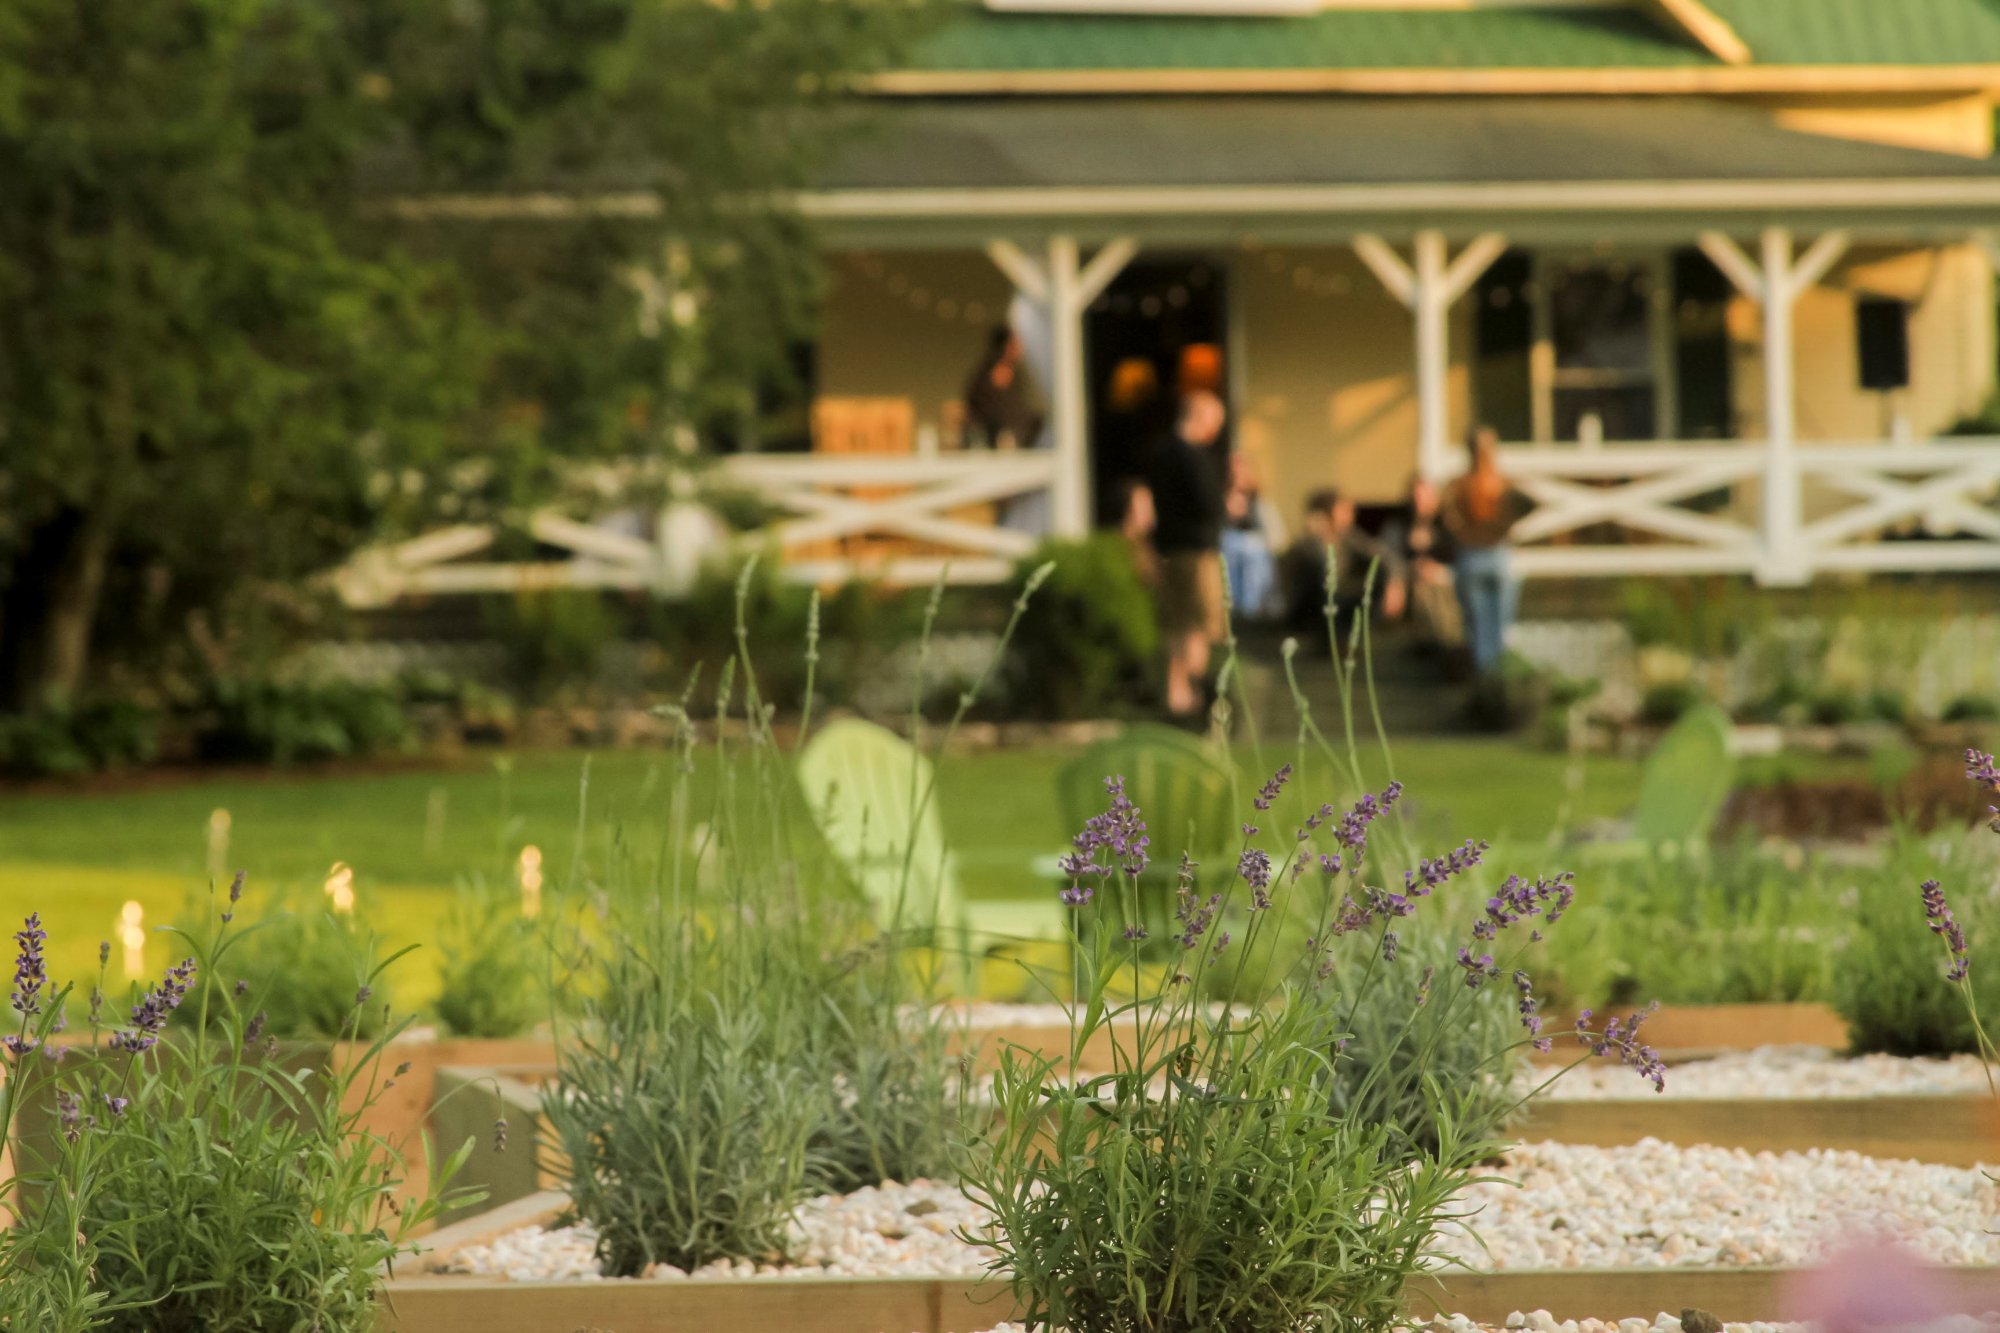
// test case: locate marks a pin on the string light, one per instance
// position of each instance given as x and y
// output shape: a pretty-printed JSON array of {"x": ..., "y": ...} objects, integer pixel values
[
  {"x": 340, "y": 888},
  {"x": 951, "y": 309},
  {"x": 529, "y": 870},
  {"x": 131, "y": 933}
]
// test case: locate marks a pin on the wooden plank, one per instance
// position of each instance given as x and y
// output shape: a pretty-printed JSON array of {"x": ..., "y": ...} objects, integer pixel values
[
  {"x": 968, "y": 1305},
  {"x": 1949, "y": 1131}
]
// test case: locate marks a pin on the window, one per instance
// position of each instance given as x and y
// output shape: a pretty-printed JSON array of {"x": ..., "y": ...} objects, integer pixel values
[{"x": 1574, "y": 346}]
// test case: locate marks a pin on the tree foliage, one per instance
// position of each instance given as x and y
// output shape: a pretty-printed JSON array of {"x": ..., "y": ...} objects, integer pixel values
[{"x": 230, "y": 350}]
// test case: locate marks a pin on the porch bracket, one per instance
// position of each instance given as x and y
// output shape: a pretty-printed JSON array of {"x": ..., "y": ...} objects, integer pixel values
[
  {"x": 1776, "y": 281},
  {"x": 1428, "y": 288},
  {"x": 1064, "y": 285}
]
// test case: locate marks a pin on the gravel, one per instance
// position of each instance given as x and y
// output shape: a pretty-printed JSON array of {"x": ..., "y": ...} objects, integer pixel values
[
  {"x": 1644, "y": 1206},
  {"x": 1655, "y": 1205},
  {"x": 1783, "y": 1071}
]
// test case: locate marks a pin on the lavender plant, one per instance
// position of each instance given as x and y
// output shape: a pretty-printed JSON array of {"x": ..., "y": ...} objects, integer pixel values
[
  {"x": 1950, "y": 933},
  {"x": 1226, "y": 1172},
  {"x": 45, "y": 1273},
  {"x": 491, "y": 969},
  {"x": 747, "y": 1034},
  {"x": 225, "y": 1188}
]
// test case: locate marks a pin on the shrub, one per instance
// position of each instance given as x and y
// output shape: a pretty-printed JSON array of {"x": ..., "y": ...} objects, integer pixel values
[
  {"x": 60, "y": 741},
  {"x": 1223, "y": 1174},
  {"x": 551, "y": 639},
  {"x": 266, "y": 721},
  {"x": 1973, "y": 708},
  {"x": 224, "y": 1189},
  {"x": 300, "y": 967},
  {"x": 1887, "y": 971},
  {"x": 1664, "y": 703},
  {"x": 490, "y": 980},
  {"x": 1088, "y": 640}
]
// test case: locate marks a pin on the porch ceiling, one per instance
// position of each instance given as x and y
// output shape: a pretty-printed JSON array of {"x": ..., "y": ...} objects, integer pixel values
[{"x": 1200, "y": 168}]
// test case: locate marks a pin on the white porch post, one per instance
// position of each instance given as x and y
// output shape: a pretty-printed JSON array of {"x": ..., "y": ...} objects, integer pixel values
[
  {"x": 1064, "y": 286},
  {"x": 1428, "y": 289},
  {"x": 1776, "y": 285}
]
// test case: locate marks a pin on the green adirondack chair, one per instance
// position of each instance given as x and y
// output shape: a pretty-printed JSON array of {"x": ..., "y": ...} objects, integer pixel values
[
  {"x": 1182, "y": 788},
  {"x": 1682, "y": 785},
  {"x": 1684, "y": 782},
  {"x": 863, "y": 784}
]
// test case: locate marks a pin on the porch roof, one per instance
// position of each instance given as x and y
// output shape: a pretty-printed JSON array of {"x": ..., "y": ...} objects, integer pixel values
[{"x": 1194, "y": 168}]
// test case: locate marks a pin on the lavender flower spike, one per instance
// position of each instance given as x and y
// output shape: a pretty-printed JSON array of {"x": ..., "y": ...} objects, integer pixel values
[
  {"x": 31, "y": 973},
  {"x": 1944, "y": 923},
  {"x": 150, "y": 1015},
  {"x": 1981, "y": 768}
]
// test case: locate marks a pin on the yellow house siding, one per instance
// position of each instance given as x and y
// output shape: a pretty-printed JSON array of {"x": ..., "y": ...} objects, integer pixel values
[
  {"x": 875, "y": 342},
  {"x": 1329, "y": 396}
]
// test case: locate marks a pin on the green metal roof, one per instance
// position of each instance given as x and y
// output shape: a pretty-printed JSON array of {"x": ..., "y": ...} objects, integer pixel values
[
  {"x": 1778, "y": 32},
  {"x": 1865, "y": 32}
]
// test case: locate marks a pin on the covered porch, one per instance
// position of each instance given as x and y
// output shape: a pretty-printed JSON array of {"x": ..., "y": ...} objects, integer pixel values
[{"x": 1407, "y": 228}]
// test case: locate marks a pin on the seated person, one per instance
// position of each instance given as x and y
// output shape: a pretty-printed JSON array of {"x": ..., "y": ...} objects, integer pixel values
[{"x": 1332, "y": 535}]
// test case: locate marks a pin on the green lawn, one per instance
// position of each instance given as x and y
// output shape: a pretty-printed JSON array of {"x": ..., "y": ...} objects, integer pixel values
[{"x": 411, "y": 834}]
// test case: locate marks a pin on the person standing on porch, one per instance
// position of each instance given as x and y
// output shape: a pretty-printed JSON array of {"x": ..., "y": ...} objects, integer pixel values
[
  {"x": 1186, "y": 483},
  {"x": 1479, "y": 511},
  {"x": 999, "y": 411}
]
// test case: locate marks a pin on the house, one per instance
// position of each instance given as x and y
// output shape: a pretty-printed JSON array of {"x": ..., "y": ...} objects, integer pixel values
[{"x": 1718, "y": 270}]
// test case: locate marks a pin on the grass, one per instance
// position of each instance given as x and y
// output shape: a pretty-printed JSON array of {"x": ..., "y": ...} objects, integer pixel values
[{"x": 412, "y": 834}]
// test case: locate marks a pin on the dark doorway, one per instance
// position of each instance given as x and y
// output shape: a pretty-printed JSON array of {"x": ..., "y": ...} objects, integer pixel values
[{"x": 1152, "y": 313}]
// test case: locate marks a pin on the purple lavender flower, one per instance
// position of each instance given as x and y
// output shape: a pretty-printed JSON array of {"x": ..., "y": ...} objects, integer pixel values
[
  {"x": 17, "y": 1045},
  {"x": 1433, "y": 871},
  {"x": 1269, "y": 792},
  {"x": 235, "y": 897},
  {"x": 69, "y": 1114},
  {"x": 30, "y": 969},
  {"x": 1981, "y": 768},
  {"x": 361, "y": 996},
  {"x": 1518, "y": 900},
  {"x": 1329, "y": 864},
  {"x": 1944, "y": 923},
  {"x": 1134, "y": 933},
  {"x": 1531, "y": 1017},
  {"x": 150, "y": 1015},
  {"x": 1120, "y": 831},
  {"x": 1352, "y": 831},
  {"x": 118, "y": 1105},
  {"x": 1077, "y": 894},
  {"x": 253, "y": 1029},
  {"x": 1477, "y": 970},
  {"x": 1623, "y": 1038},
  {"x": 1389, "y": 946},
  {"x": 1221, "y": 943},
  {"x": 103, "y": 952},
  {"x": 1255, "y": 868},
  {"x": 1424, "y": 985}
]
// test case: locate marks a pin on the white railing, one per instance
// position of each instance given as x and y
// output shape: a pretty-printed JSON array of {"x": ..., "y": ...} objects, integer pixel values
[
  {"x": 1852, "y": 497},
  {"x": 1611, "y": 510},
  {"x": 898, "y": 518}
]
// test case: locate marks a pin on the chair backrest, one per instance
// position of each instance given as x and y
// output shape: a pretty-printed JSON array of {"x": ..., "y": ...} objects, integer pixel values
[
  {"x": 1685, "y": 780},
  {"x": 1182, "y": 789},
  {"x": 863, "y": 783}
]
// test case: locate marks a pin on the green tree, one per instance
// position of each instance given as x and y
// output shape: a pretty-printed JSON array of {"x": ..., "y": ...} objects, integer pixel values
[{"x": 239, "y": 337}]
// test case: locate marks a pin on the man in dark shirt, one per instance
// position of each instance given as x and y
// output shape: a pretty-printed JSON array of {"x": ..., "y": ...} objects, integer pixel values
[{"x": 1186, "y": 482}]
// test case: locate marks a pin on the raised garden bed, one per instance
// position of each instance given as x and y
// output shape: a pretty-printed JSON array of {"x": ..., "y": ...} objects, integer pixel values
[
  {"x": 421, "y": 1302},
  {"x": 1947, "y": 1131}
]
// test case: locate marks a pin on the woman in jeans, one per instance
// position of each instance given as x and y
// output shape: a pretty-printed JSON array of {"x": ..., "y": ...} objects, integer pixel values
[{"x": 1480, "y": 508}]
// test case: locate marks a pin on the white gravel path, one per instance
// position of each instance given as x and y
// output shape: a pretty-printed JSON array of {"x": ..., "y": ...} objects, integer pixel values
[
  {"x": 1656, "y": 1205},
  {"x": 1783, "y": 1071},
  {"x": 1644, "y": 1206}
]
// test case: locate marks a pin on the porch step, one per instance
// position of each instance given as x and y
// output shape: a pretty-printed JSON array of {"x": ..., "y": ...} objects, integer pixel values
[{"x": 1418, "y": 692}]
